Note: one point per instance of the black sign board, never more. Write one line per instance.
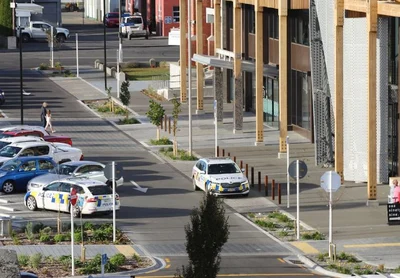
(393, 213)
(293, 169)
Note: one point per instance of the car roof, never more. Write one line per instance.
(85, 182)
(218, 160)
(30, 144)
(82, 162)
(22, 139)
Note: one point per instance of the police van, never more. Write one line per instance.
(133, 26)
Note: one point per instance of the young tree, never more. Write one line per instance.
(175, 114)
(6, 28)
(110, 101)
(155, 114)
(125, 96)
(206, 233)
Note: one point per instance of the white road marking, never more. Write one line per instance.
(138, 188)
(7, 208)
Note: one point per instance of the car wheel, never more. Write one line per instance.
(61, 38)
(8, 187)
(75, 210)
(31, 203)
(25, 38)
(195, 188)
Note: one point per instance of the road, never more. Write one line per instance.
(154, 220)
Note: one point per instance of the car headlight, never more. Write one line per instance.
(35, 185)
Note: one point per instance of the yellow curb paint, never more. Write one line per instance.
(305, 247)
(372, 245)
(126, 250)
(281, 260)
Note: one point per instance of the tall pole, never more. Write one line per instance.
(21, 83)
(190, 72)
(118, 86)
(113, 190)
(216, 127)
(105, 45)
(287, 174)
(120, 33)
(77, 55)
(330, 213)
(72, 237)
(52, 46)
(298, 200)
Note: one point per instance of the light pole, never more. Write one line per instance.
(190, 72)
(105, 45)
(120, 33)
(21, 82)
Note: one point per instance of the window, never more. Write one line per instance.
(45, 165)
(273, 25)
(299, 28)
(36, 25)
(9, 151)
(100, 190)
(79, 189)
(10, 165)
(64, 169)
(28, 152)
(3, 144)
(175, 13)
(42, 150)
(53, 186)
(225, 168)
(65, 187)
(28, 166)
(83, 170)
(96, 168)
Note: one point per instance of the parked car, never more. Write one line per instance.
(25, 130)
(58, 151)
(93, 196)
(38, 30)
(219, 176)
(10, 140)
(15, 173)
(133, 26)
(85, 169)
(112, 19)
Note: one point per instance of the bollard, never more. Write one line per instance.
(252, 176)
(217, 151)
(241, 164)
(169, 125)
(165, 122)
(247, 170)
(161, 123)
(83, 253)
(223, 152)
(234, 159)
(266, 185)
(279, 194)
(259, 181)
(273, 189)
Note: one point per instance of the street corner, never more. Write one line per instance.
(305, 247)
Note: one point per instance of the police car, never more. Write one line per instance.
(219, 176)
(93, 196)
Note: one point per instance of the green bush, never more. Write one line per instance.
(92, 266)
(65, 260)
(35, 260)
(45, 231)
(283, 233)
(23, 260)
(251, 215)
(162, 141)
(266, 224)
(43, 66)
(6, 15)
(29, 232)
(118, 259)
(44, 238)
(59, 238)
(322, 256)
(312, 236)
(15, 238)
(137, 258)
(37, 227)
(88, 226)
(104, 108)
(49, 260)
(128, 121)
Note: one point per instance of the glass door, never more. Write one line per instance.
(271, 101)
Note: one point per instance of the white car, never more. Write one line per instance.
(10, 140)
(220, 176)
(85, 169)
(93, 196)
(60, 152)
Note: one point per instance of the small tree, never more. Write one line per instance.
(110, 101)
(155, 114)
(206, 234)
(125, 96)
(175, 113)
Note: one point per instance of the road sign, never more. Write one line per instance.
(108, 171)
(73, 197)
(331, 181)
(302, 169)
(104, 258)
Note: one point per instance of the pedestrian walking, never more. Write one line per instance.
(48, 121)
(43, 114)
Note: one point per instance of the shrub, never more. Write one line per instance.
(88, 226)
(312, 236)
(49, 260)
(162, 141)
(15, 238)
(37, 227)
(266, 224)
(283, 233)
(251, 215)
(118, 259)
(137, 258)
(128, 121)
(29, 232)
(132, 65)
(58, 65)
(44, 238)
(45, 231)
(78, 235)
(65, 260)
(43, 66)
(23, 260)
(35, 260)
(321, 256)
(59, 238)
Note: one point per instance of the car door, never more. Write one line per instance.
(37, 31)
(96, 172)
(63, 196)
(49, 195)
(26, 172)
(44, 166)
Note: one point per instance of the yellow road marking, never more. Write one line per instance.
(305, 247)
(281, 260)
(167, 260)
(371, 245)
(243, 275)
(126, 250)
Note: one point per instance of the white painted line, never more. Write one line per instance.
(144, 144)
(88, 108)
(4, 201)
(25, 93)
(5, 215)
(158, 158)
(307, 227)
(3, 114)
(7, 208)
(138, 188)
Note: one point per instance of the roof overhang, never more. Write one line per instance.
(248, 66)
(26, 7)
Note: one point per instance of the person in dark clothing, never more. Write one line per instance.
(43, 114)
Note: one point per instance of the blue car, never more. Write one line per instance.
(15, 173)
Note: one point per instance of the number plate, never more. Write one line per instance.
(231, 189)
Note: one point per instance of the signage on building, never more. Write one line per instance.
(393, 213)
(168, 20)
(174, 37)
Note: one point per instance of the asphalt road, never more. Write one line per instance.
(154, 220)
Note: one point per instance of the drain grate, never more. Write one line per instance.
(295, 262)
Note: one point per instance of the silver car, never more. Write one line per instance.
(86, 169)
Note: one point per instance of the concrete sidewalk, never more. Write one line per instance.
(358, 229)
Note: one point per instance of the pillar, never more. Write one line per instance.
(259, 73)
(237, 68)
(372, 18)
(217, 25)
(218, 74)
(339, 20)
(183, 49)
(199, 50)
(283, 73)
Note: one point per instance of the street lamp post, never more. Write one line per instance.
(120, 33)
(190, 73)
(21, 82)
(105, 45)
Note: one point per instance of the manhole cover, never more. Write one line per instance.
(296, 262)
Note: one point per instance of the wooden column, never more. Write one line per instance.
(217, 25)
(259, 73)
(199, 50)
(237, 67)
(339, 20)
(283, 73)
(372, 19)
(183, 48)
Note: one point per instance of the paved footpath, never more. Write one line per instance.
(358, 228)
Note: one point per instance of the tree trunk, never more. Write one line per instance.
(158, 133)
(175, 147)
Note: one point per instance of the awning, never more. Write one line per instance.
(228, 64)
(26, 7)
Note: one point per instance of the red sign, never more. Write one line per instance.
(73, 197)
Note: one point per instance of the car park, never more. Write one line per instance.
(93, 197)
(15, 173)
(84, 169)
(219, 176)
(58, 151)
(23, 130)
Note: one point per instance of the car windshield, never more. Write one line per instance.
(134, 20)
(63, 169)
(2, 135)
(10, 165)
(9, 151)
(3, 144)
(225, 168)
(100, 190)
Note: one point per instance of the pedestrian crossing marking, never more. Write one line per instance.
(305, 247)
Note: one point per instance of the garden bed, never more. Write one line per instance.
(146, 74)
(151, 93)
(161, 142)
(182, 154)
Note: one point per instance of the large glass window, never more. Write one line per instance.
(175, 13)
(273, 22)
(299, 27)
(271, 101)
(300, 100)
